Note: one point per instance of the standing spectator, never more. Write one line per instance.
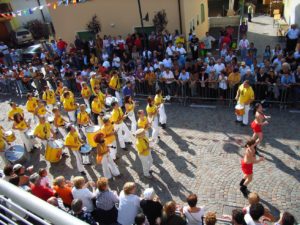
(194, 46)
(244, 46)
(250, 12)
(192, 213)
(38, 190)
(208, 39)
(210, 218)
(256, 211)
(81, 191)
(292, 36)
(267, 53)
(243, 28)
(4, 53)
(286, 219)
(151, 206)
(169, 79)
(170, 216)
(78, 212)
(63, 189)
(61, 46)
(129, 204)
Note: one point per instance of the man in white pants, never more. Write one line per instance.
(117, 117)
(115, 85)
(244, 97)
(159, 102)
(74, 142)
(144, 152)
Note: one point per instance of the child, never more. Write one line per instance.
(86, 93)
(143, 122)
(49, 97)
(109, 136)
(70, 106)
(44, 177)
(31, 104)
(40, 110)
(59, 121)
(97, 108)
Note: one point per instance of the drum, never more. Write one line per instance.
(15, 154)
(109, 100)
(30, 133)
(91, 131)
(85, 152)
(50, 119)
(88, 110)
(239, 110)
(10, 136)
(54, 151)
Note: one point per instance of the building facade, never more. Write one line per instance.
(119, 17)
(292, 11)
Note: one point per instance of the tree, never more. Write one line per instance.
(94, 25)
(37, 28)
(160, 20)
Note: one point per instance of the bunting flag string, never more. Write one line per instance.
(30, 11)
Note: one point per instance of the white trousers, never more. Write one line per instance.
(131, 116)
(109, 167)
(162, 114)
(87, 103)
(245, 117)
(123, 134)
(113, 150)
(147, 162)
(77, 155)
(155, 130)
(71, 115)
(119, 97)
(26, 140)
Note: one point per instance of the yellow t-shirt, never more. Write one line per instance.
(83, 118)
(21, 126)
(143, 123)
(12, 112)
(246, 94)
(59, 121)
(142, 146)
(129, 107)
(86, 92)
(2, 144)
(234, 78)
(151, 110)
(42, 130)
(101, 97)
(116, 116)
(41, 111)
(59, 91)
(49, 97)
(109, 135)
(93, 83)
(158, 100)
(69, 104)
(73, 139)
(31, 105)
(115, 83)
(97, 107)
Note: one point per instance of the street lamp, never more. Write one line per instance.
(142, 22)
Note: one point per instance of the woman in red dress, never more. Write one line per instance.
(259, 121)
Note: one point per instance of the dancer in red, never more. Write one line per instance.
(247, 166)
(259, 121)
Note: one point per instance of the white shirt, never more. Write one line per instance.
(167, 63)
(207, 42)
(106, 64)
(151, 69)
(45, 182)
(86, 197)
(4, 49)
(129, 206)
(116, 62)
(105, 56)
(181, 51)
(244, 44)
(193, 218)
(223, 82)
(219, 67)
(184, 77)
(170, 50)
(169, 75)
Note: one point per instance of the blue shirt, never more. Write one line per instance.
(127, 91)
(287, 80)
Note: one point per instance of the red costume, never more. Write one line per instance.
(247, 168)
(256, 127)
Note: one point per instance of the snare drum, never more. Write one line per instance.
(239, 110)
(91, 132)
(10, 136)
(50, 119)
(30, 133)
(85, 152)
(109, 100)
(54, 151)
(15, 154)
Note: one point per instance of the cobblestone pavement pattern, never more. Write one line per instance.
(200, 153)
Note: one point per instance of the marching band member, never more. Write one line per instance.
(22, 126)
(83, 118)
(159, 102)
(43, 131)
(14, 109)
(40, 110)
(49, 97)
(31, 104)
(100, 95)
(143, 122)
(97, 108)
(86, 94)
(244, 97)
(107, 130)
(108, 166)
(93, 82)
(74, 142)
(115, 85)
(59, 89)
(59, 121)
(153, 120)
(117, 118)
(3, 145)
(69, 106)
(129, 106)
(144, 152)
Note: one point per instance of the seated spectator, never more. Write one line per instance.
(151, 206)
(129, 204)
(19, 170)
(38, 190)
(81, 191)
(210, 218)
(63, 190)
(170, 216)
(78, 212)
(106, 200)
(192, 213)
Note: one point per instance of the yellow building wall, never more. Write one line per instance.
(191, 11)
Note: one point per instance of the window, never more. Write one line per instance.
(191, 26)
(202, 13)
(198, 20)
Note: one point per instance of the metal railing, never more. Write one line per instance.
(21, 205)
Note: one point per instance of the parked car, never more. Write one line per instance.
(22, 36)
(32, 50)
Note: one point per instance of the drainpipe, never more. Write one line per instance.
(180, 18)
(42, 13)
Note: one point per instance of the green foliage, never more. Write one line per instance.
(160, 20)
(38, 29)
(94, 25)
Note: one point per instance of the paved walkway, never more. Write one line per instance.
(200, 153)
